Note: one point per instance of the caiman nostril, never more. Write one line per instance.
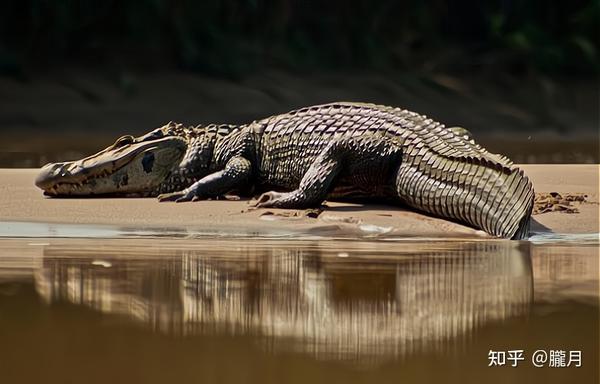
(124, 140)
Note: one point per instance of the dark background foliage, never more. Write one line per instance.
(234, 37)
(521, 75)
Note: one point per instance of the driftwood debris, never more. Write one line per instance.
(557, 202)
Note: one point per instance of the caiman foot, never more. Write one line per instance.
(179, 196)
(286, 200)
(271, 200)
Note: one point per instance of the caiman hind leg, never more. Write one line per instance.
(365, 163)
(236, 173)
(314, 186)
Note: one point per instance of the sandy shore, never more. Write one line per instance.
(21, 201)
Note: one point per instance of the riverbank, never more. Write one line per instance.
(70, 113)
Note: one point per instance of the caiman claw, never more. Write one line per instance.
(268, 200)
(178, 197)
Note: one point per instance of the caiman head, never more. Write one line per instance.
(148, 165)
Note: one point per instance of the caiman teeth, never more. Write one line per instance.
(78, 184)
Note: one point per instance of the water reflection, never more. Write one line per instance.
(372, 299)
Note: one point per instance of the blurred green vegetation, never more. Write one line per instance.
(236, 37)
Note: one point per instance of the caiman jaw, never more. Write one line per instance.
(124, 168)
(57, 177)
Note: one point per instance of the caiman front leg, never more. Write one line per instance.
(237, 171)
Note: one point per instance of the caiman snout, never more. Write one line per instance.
(127, 167)
(48, 175)
(54, 174)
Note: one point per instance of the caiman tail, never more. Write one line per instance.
(495, 197)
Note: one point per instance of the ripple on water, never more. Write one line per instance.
(14, 229)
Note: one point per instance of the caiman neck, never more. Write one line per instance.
(199, 159)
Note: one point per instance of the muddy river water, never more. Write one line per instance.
(96, 310)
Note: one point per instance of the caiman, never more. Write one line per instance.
(300, 158)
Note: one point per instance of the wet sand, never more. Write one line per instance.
(21, 201)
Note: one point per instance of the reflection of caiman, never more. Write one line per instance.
(383, 301)
(335, 150)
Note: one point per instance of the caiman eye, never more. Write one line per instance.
(124, 140)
